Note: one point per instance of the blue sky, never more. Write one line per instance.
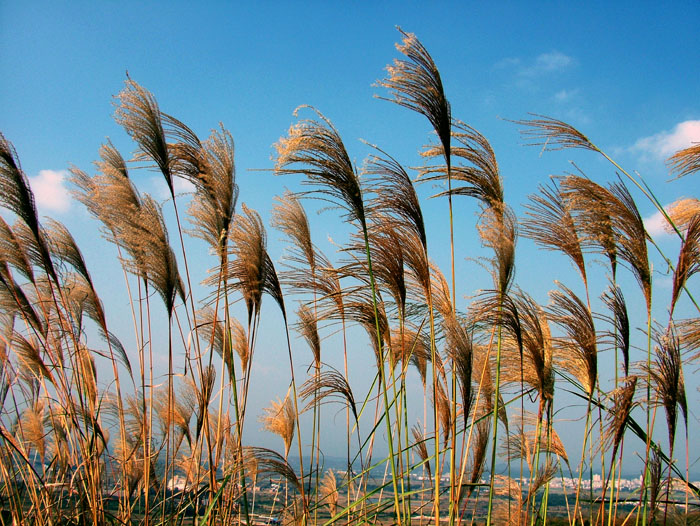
(626, 75)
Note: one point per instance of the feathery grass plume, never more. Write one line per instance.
(29, 353)
(480, 177)
(420, 352)
(689, 335)
(549, 224)
(459, 348)
(529, 350)
(17, 197)
(416, 84)
(421, 447)
(86, 375)
(498, 230)
(174, 413)
(681, 212)
(133, 414)
(553, 134)
(478, 453)
(112, 198)
(444, 410)
(213, 206)
(396, 199)
(211, 329)
(685, 162)
(544, 475)
(314, 148)
(290, 217)
(31, 430)
(160, 263)
(251, 270)
(589, 204)
(440, 291)
(65, 249)
(387, 251)
(483, 368)
(279, 418)
(309, 331)
(509, 513)
(58, 448)
(129, 458)
(239, 342)
(360, 309)
(578, 352)
(415, 345)
(33, 248)
(620, 337)
(654, 486)
(619, 413)
(328, 492)
(119, 350)
(419, 271)
(328, 386)
(524, 441)
(271, 463)
(138, 113)
(14, 301)
(203, 394)
(688, 259)
(666, 376)
(631, 237)
(13, 252)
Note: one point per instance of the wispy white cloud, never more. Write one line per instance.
(656, 224)
(541, 64)
(565, 95)
(161, 191)
(183, 186)
(666, 143)
(546, 62)
(50, 194)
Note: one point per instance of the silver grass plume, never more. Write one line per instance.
(478, 176)
(251, 270)
(618, 415)
(328, 492)
(688, 259)
(549, 224)
(415, 84)
(290, 217)
(280, 419)
(13, 252)
(150, 236)
(667, 380)
(213, 206)
(313, 148)
(578, 352)
(326, 387)
(309, 331)
(137, 111)
(553, 134)
(685, 162)
(17, 196)
(270, 463)
(615, 301)
(588, 203)
(421, 448)
(396, 201)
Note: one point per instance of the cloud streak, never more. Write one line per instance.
(664, 144)
(542, 64)
(50, 193)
